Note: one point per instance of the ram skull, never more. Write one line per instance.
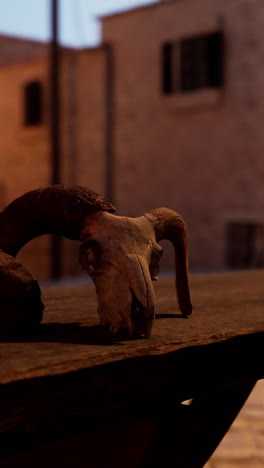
(122, 256)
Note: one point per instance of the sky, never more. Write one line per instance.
(79, 26)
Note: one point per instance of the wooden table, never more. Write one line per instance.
(71, 396)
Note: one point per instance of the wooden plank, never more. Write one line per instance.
(71, 375)
(70, 338)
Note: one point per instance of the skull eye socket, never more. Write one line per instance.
(90, 255)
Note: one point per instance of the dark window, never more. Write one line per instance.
(33, 103)
(167, 68)
(245, 245)
(193, 63)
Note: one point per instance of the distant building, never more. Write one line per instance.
(25, 161)
(167, 111)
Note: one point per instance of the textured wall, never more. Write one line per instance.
(202, 153)
(17, 50)
(83, 127)
(25, 162)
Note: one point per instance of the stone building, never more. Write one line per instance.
(188, 112)
(167, 111)
(25, 162)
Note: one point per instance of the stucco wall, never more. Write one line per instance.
(17, 50)
(24, 151)
(83, 129)
(25, 162)
(201, 153)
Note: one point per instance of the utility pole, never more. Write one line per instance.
(55, 119)
(109, 124)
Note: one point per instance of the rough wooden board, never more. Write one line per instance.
(70, 378)
(70, 339)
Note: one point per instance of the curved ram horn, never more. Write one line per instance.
(58, 209)
(170, 226)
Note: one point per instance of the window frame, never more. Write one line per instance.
(182, 61)
(244, 244)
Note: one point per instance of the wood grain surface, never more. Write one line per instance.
(70, 374)
(70, 337)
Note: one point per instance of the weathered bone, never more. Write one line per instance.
(170, 226)
(59, 209)
(122, 257)
(120, 254)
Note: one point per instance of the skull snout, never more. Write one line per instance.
(143, 296)
(126, 299)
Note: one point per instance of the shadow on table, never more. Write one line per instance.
(72, 333)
